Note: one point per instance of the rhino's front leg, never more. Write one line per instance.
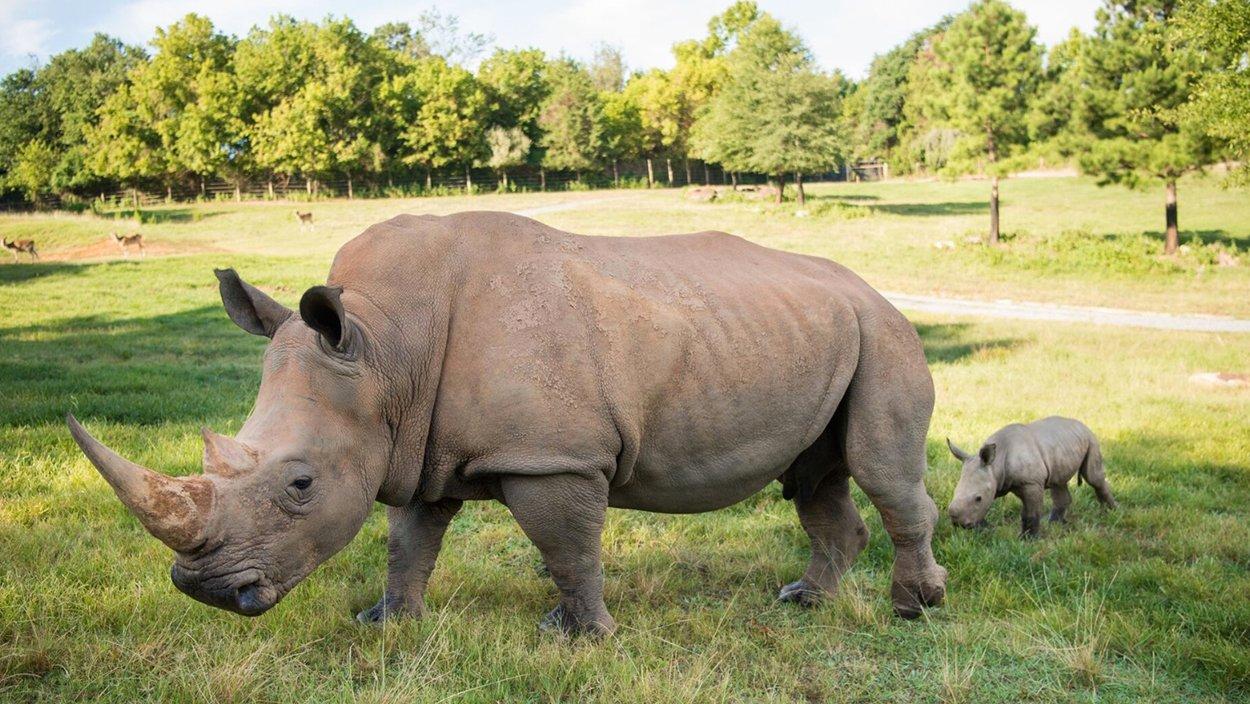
(563, 514)
(412, 545)
(1031, 515)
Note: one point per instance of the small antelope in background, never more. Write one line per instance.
(27, 246)
(127, 241)
(305, 219)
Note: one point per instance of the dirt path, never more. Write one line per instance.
(1023, 310)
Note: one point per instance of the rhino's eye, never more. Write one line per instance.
(978, 499)
(303, 483)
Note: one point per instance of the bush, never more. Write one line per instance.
(1080, 250)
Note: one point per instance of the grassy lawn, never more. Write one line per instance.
(1148, 603)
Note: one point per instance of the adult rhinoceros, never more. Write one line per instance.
(488, 356)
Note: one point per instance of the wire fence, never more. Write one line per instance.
(625, 174)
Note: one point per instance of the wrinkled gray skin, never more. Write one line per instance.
(487, 356)
(1025, 460)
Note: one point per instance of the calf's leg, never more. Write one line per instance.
(412, 546)
(1060, 499)
(838, 534)
(563, 515)
(1031, 515)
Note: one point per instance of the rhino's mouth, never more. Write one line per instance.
(247, 592)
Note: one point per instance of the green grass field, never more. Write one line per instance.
(1149, 603)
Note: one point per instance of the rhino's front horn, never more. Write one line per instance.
(173, 509)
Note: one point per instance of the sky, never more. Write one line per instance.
(843, 34)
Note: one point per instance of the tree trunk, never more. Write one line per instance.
(134, 194)
(504, 173)
(616, 174)
(734, 177)
(1172, 241)
(270, 186)
(203, 188)
(169, 193)
(668, 161)
(781, 187)
(798, 183)
(994, 210)
(238, 193)
(707, 175)
(429, 181)
(350, 193)
(308, 185)
(542, 179)
(650, 174)
(689, 178)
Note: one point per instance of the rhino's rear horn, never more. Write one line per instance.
(958, 453)
(173, 509)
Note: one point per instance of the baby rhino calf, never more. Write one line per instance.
(1024, 460)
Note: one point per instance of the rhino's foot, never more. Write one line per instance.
(391, 608)
(1058, 517)
(911, 596)
(801, 593)
(561, 621)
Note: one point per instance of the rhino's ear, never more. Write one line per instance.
(248, 306)
(957, 452)
(988, 451)
(322, 310)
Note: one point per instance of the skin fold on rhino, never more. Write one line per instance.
(487, 356)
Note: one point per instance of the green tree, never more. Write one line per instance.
(59, 103)
(1137, 76)
(570, 119)
(509, 148)
(992, 67)
(440, 111)
(659, 108)
(621, 125)
(34, 170)
(515, 85)
(311, 92)
(1221, 99)
(774, 113)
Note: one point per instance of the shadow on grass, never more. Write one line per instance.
(174, 215)
(947, 343)
(11, 274)
(191, 365)
(1206, 237)
(931, 209)
(848, 197)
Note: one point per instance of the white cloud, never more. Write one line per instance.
(24, 32)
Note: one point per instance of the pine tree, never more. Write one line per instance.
(993, 66)
(1136, 76)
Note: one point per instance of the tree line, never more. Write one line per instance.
(1159, 88)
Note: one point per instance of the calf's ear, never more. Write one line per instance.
(321, 307)
(248, 306)
(988, 450)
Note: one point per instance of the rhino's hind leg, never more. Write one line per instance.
(563, 515)
(838, 535)
(1096, 477)
(887, 421)
(412, 545)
